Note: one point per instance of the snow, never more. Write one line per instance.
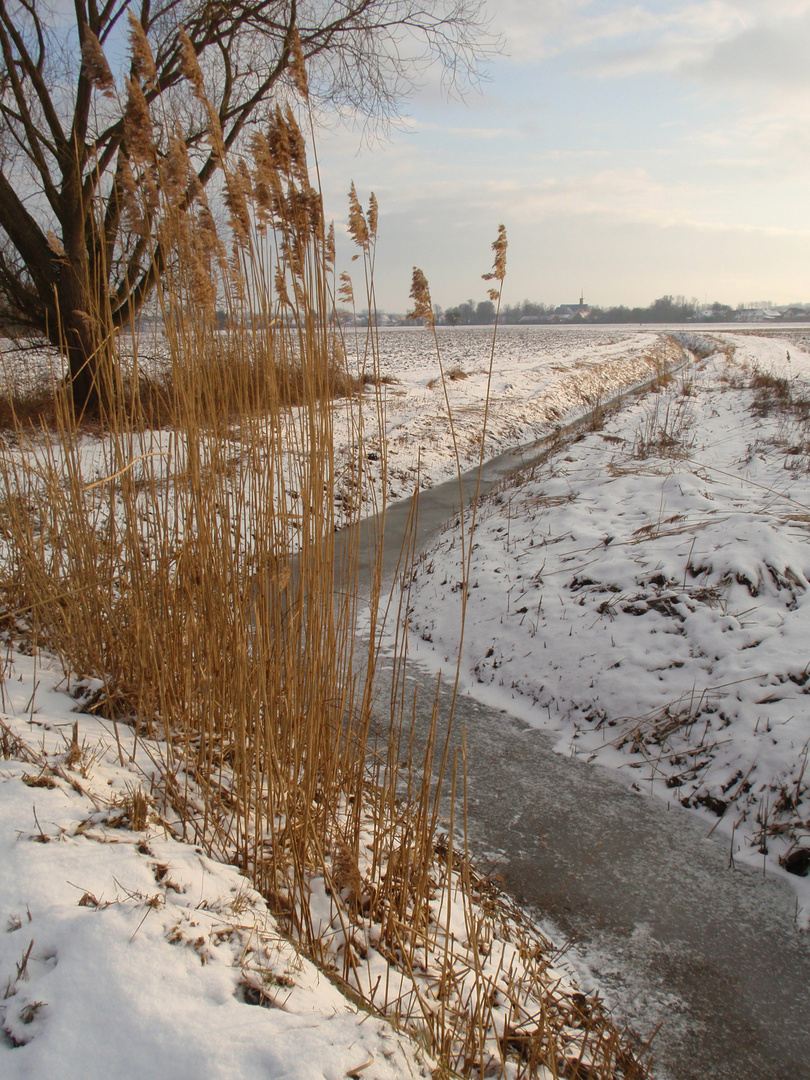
(644, 594)
(131, 954)
(127, 952)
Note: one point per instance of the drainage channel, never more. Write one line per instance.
(702, 957)
(438, 505)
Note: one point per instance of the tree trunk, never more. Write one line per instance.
(75, 338)
(83, 324)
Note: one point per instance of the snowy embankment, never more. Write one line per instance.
(646, 594)
(129, 952)
(126, 953)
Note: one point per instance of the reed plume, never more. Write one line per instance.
(143, 61)
(95, 64)
(420, 294)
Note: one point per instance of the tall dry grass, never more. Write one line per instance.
(182, 563)
(190, 567)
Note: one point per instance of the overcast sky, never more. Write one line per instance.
(632, 149)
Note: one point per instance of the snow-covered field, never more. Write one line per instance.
(645, 594)
(540, 376)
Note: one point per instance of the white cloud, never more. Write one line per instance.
(615, 195)
(538, 31)
(617, 37)
(745, 63)
(773, 53)
(463, 131)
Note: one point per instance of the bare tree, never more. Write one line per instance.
(78, 144)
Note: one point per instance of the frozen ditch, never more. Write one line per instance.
(707, 953)
(672, 935)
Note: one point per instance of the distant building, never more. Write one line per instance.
(572, 312)
(758, 314)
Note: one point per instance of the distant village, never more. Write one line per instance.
(667, 309)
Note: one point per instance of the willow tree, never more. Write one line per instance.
(93, 99)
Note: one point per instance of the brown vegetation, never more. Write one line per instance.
(186, 560)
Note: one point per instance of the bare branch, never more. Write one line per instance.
(83, 146)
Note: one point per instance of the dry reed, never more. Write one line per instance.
(186, 559)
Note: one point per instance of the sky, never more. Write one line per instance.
(632, 149)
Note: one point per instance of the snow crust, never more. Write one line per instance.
(645, 595)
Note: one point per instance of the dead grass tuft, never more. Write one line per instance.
(788, 403)
(667, 430)
(772, 393)
(34, 404)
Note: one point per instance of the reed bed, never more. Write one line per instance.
(190, 567)
(178, 554)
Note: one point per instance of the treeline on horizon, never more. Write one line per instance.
(666, 309)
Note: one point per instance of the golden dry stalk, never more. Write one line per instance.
(420, 294)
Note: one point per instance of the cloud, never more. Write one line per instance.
(721, 38)
(463, 131)
(738, 67)
(772, 53)
(615, 195)
(594, 28)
